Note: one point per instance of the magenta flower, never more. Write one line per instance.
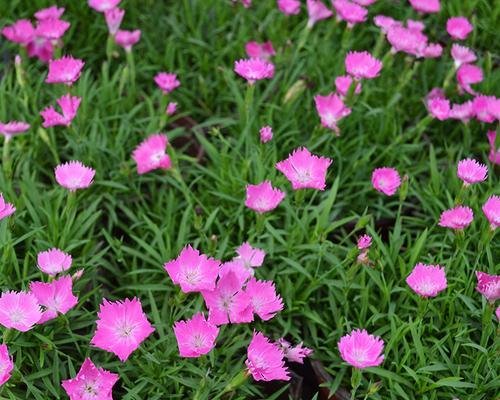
(265, 360)
(265, 302)
(167, 81)
(343, 84)
(246, 3)
(49, 13)
(91, 383)
(463, 112)
(13, 128)
(103, 5)
(385, 23)
(494, 154)
(317, 11)
(171, 108)
(364, 242)
(6, 209)
(439, 108)
(51, 29)
(361, 350)
(6, 364)
(350, 12)
(127, 39)
(263, 197)
(294, 353)
(433, 50)
(365, 3)
(22, 32)
(416, 25)
(114, 18)
(386, 180)
(41, 48)
(238, 268)
(289, 7)
(19, 310)
(427, 280)
(196, 336)
(305, 170)
(74, 175)
(458, 27)
(361, 64)
(152, 154)
(331, 109)
(488, 286)
(122, 326)
(481, 106)
(492, 211)
(69, 106)
(462, 55)
(426, 6)
(251, 257)
(254, 69)
(470, 171)
(257, 50)
(266, 134)
(457, 218)
(410, 41)
(467, 75)
(194, 272)
(65, 70)
(493, 107)
(54, 261)
(57, 297)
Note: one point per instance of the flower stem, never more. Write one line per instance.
(131, 65)
(355, 382)
(7, 166)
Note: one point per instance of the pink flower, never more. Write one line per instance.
(463, 112)
(494, 154)
(6, 364)
(196, 336)
(492, 211)
(433, 50)
(493, 107)
(331, 109)
(152, 154)
(265, 360)
(57, 297)
(69, 106)
(91, 383)
(427, 280)
(127, 39)
(289, 7)
(266, 303)
(426, 6)
(51, 29)
(257, 50)
(365, 3)
(251, 257)
(361, 350)
(74, 175)
(22, 32)
(305, 170)
(194, 272)
(481, 106)
(246, 3)
(471, 171)
(49, 13)
(6, 209)
(171, 108)
(439, 108)
(167, 82)
(19, 310)
(410, 41)
(467, 75)
(364, 242)
(65, 70)
(343, 84)
(122, 326)
(13, 128)
(361, 64)
(103, 5)
(266, 134)
(254, 69)
(352, 13)
(238, 268)
(54, 261)
(459, 27)
(386, 180)
(417, 25)
(114, 18)
(385, 23)
(263, 197)
(41, 48)
(488, 286)
(294, 353)
(456, 218)
(228, 302)
(317, 11)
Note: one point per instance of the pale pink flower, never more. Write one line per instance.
(458, 27)
(417, 25)
(439, 108)
(343, 84)
(317, 11)
(467, 75)
(127, 39)
(152, 154)
(51, 29)
(250, 256)
(494, 154)
(6, 209)
(350, 12)
(462, 55)
(289, 7)
(463, 112)
(426, 6)
(13, 128)
(196, 336)
(19, 310)
(331, 109)
(410, 41)
(361, 349)
(427, 280)
(122, 326)
(57, 297)
(265, 360)
(257, 50)
(194, 272)
(265, 302)
(167, 82)
(114, 18)
(364, 242)
(22, 32)
(49, 13)
(457, 218)
(54, 261)
(433, 50)
(386, 180)
(171, 108)
(294, 353)
(492, 211)
(263, 197)
(254, 69)
(266, 134)
(471, 171)
(103, 5)
(69, 106)
(91, 383)
(481, 105)
(488, 286)
(361, 64)
(74, 175)
(6, 364)
(385, 23)
(65, 70)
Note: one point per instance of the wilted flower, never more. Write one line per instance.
(167, 82)
(152, 154)
(19, 310)
(196, 336)
(343, 84)
(386, 180)
(127, 39)
(470, 171)
(427, 280)
(317, 11)
(50, 12)
(364, 242)
(361, 64)
(13, 128)
(263, 197)
(458, 27)
(254, 69)
(6, 364)
(74, 175)
(265, 360)
(114, 19)
(65, 70)
(467, 75)
(331, 109)
(54, 261)
(289, 7)
(69, 106)
(426, 6)
(352, 13)
(492, 211)
(266, 303)
(457, 218)
(22, 32)
(294, 353)
(361, 349)
(266, 134)
(103, 5)
(257, 50)
(488, 286)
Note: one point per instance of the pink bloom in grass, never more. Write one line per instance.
(127, 39)
(54, 261)
(361, 349)
(194, 272)
(350, 12)
(364, 242)
(266, 134)
(52, 28)
(410, 41)
(289, 7)
(305, 170)
(433, 50)
(435, 93)
(416, 25)
(386, 180)
(294, 353)
(365, 3)
(426, 6)
(6, 364)
(493, 107)
(492, 211)
(74, 175)
(456, 218)
(69, 106)
(343, 84)
(22, 32)
(103, 5)
(114, 18)
(246, 3)
(265, 302)
(361, 64)
(41, 48)
(458, 28)
(13, 128)
(317, 11)
(19, 310)
(6, 209)
(122, 326)
(494, 154)
(91, 383)
(57, 297)
(462, 55)
(171, 108)
(488, 286)
(265, 360)
(254, 69)
(250, 256)
(463, 112)
(65, 70)
(167, 82)
(439, 108)
(467, 75)
(471, 171)
(263, 197)
(427, 280)
(196, 336)
(385, 23)
(257, 50)
(152, 154)
(49, 13)
(331, 109)
(481, 106)
(238, 268)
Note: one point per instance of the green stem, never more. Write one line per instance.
(110, 44)
(248, 107)
(7, 165)
(237, 381)
(131, 65)
(355, 382)
(163, 114)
